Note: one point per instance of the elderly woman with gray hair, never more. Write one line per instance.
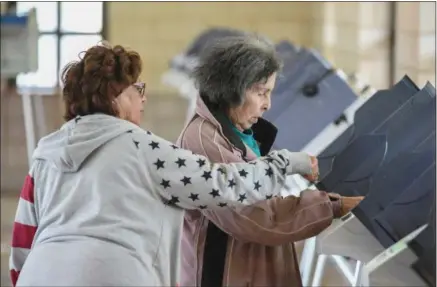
(253, 245)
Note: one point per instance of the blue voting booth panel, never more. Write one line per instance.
(404, 130)
(424, 247)
(201, 42)
(204, 39)
(303, 67)
(367, 118)
(425, 266)
(309, 96)
(387, 184)
(285, 46)
(400, 195)
(288, 53)
(379, 107)
(393, 164)
(408, 211)
(286, 50)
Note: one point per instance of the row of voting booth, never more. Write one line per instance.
(19, 54)
(377, 144)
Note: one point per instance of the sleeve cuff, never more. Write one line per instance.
(300, 163)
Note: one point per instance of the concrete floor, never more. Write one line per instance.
(8, 207)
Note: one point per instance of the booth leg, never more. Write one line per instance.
(318, 272)
(28, 125)
(306, 263)
(40, 116)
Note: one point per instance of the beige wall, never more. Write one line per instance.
(163, 115)
(160, 30)
(415, 41)
(13, 141)
(355, 37)
(3, 6)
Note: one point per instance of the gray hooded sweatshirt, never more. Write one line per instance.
(103, 203)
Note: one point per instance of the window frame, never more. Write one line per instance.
(59, 33)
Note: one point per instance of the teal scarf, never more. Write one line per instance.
(247, 138)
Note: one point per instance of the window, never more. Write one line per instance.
(72, 45)
(46, 14)
(62, 37)
(91, 11)
(46, 75)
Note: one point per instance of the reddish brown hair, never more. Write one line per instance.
(92, 83)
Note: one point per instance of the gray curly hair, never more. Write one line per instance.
(228, 67)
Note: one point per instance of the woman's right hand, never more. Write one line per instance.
(344, 204)
(314, 176)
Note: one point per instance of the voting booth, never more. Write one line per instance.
(388, 155)
(19, 44)
(310, 95)
(19, 55)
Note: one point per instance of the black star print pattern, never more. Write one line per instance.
(269, 196)
(269, 172)
(231, 183)
(201, 162)
(130, 131)
(77, 119)
(243, 173)
(136, 143)
(174, 146)
(173, 200)
(149, 133)
(194, 196)
(165, 184)
(192, 182)
(180, 162)
(206, 175)
(214, 193)
(154, 145)
(186, 180)
(159, 164)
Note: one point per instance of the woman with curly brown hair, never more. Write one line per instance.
(103, 202)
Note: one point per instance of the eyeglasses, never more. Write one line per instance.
(141, 87)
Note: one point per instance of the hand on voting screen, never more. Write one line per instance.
(346, 203)
(314, 176)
